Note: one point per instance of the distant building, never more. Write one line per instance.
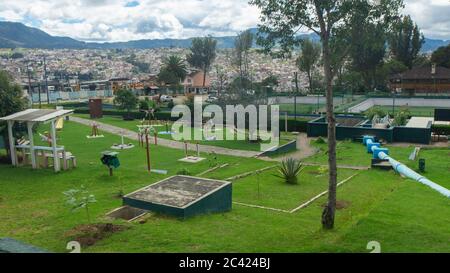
(193, 83)
(119, 83)
(422, 80)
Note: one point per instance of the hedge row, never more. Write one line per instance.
(440, 129)
(133, 114)
(298, 125)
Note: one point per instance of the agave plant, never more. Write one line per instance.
(289, 170)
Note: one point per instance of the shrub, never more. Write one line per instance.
(289, 170)
(441, 129)
(78, 199)
(375, 111)
(401, 117)
(320, 140)
(143, 105)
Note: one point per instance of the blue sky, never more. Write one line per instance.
(124, 20)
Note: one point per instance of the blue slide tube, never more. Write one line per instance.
(402, 169)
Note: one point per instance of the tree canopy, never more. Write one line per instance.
(126, 100)
(441, 56)
(202, 55)
(308, 58)
(405, 41)
(173, 70)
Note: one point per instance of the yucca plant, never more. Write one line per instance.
(289, 170)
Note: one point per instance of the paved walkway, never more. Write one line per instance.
(166, 142)
(304, 150)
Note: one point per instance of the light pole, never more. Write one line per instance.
(295, 96)
(30, 92)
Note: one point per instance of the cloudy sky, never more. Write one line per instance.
(124, 20)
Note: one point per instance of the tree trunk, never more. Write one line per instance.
(204, 77)
(330, 209)
(310, 82)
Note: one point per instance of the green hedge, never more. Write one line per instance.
(440, 129)
(298, 125)
(133, 114)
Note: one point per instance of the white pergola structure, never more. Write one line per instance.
(30, 117)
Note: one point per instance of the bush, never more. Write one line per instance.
(289, 170)
(143, 105)
(320, 140)
(375, 111)
(401, 117)
(440, 129)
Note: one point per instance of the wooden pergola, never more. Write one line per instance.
(31, 117)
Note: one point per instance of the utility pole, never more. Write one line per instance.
(30, 92)
(40, 101)
(46, 82)
(295, 95)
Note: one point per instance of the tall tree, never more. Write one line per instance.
(11, 101)
(202, 55)
(173, 70)
(242, 45)
(126, 100)
(221, 79)
(441, 56)
(308, 59)
(368, 47)
(282, 19)
(405, 41)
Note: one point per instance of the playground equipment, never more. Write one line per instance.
(191, 158)
(111, 160)
(210, 126)
(122, 145)
(167, 131)
(380, 153)
(94, 131)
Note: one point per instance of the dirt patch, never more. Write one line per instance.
(340, 204)
(89, 234)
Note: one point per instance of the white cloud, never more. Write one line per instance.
(432, 17)
(110, 20)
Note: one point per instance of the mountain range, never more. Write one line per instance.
(14, 35)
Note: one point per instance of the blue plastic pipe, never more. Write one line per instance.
(401, 168)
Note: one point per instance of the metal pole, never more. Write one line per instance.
(147, 148)
(30, 92)
(40, 99)
(393, 103)
(295, 96)
(46, 82)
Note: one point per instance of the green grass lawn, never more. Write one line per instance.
(226, 143)
(275, 193)
(399, 213)
(414, 110)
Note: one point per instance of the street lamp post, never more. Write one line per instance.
(295, 96)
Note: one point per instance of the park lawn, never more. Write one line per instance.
(382, 206)
(418, 111)
(275, 193)
(230, 144)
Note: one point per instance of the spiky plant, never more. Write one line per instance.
(289, 170)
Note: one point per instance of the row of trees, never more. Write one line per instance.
(376, 52)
